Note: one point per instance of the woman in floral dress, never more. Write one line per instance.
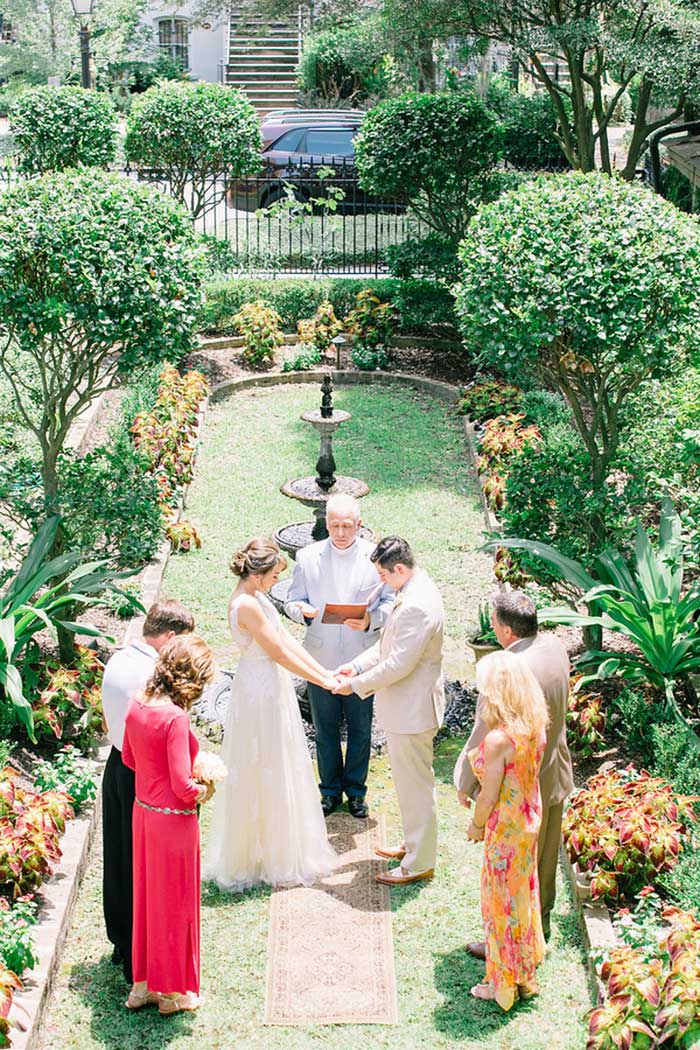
(507, 817)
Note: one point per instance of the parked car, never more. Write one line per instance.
(296, 144)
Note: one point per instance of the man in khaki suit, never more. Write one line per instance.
(514, 619)
(404, 671)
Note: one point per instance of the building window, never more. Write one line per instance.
(173, 40)
(7, 33)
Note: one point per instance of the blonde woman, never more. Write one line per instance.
(507, 817)
(268, 825)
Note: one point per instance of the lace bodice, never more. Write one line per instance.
(243, 639)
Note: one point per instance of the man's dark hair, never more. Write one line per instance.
(167, 614)
(515, 610)
(392, 551)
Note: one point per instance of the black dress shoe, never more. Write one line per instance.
(329, 804)
(358, 808)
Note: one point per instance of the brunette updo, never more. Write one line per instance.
(258, 557)
(185, 665)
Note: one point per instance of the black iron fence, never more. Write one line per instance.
(297, 218)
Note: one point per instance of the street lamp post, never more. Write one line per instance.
(82, 10)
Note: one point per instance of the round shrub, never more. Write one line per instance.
(193, 133)
(344, 64)
(55, 128)
(436, 152)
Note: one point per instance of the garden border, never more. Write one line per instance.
(594, 919)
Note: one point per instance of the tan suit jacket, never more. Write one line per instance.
(404, 668)
(549, 662)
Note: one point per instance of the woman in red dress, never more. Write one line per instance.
(161, 747)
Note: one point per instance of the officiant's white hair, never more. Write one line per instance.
(343, 504)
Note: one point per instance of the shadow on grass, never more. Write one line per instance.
(102, 988)
(214, 897)
(461, 1016)
(446, 754)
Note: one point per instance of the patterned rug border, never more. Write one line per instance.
(387, 1013)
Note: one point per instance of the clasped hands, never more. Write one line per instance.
(338, 681)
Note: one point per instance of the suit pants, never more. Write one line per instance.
(118, 791)
(548, 841)
(338, 774)
(411, 758)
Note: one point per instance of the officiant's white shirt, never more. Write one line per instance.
(324, 573)
(126, 673)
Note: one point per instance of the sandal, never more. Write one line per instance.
(528, 991)
(137, 1000)
(483, 991)
(174, 1004)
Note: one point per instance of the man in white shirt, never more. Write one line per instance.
(339, 570)
(126, 673)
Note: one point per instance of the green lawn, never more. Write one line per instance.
(411, 451)
(431, 923)
(408, 447)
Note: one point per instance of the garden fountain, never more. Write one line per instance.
(314, 491)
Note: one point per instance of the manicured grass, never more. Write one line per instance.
(431, 923)
(408, 447)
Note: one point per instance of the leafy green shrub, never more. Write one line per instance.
(594, 316)
(370, 323)
(530, 127)
(16, 940)
(109, 503)
(545, 408)
(676, 757)
(487, 398)
(122, 604)
(260, 327)
(345, 64)
(420, 306)
(68, 772)
(307, 357)
(434, 256)
(436, 152)
(320, 330)
(683, 883)
(193, 133)
(90, 262)
(678, 189)
(55, 128)
(636, 720)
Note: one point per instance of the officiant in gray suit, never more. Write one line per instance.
(339, 570)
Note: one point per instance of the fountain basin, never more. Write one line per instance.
(308, 491)
(291, 538)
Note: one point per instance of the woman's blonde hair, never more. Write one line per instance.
(185, 665)
(510, 695)
(258, 557)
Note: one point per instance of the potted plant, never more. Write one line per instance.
(482, 638)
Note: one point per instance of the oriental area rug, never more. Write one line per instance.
(330, 953)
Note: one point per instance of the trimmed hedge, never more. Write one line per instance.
(421, 306)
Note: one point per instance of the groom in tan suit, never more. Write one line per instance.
(404, 671)
(514, 619)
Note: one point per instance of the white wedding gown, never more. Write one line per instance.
(267, 825)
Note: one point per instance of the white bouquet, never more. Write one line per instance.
(208, 768)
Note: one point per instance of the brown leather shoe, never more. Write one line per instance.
(477, 949)
(400, 877)
(391, 854)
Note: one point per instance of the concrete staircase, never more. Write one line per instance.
(262, 60)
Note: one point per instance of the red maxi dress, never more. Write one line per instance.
(160, 746)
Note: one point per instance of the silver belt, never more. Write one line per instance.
(165, 809)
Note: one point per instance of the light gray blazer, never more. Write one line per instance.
(549, 662)
(312, 582)
(404, 668)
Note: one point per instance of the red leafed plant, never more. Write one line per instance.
(9, 983)
(183, 535)
(167, 434)
(651, 1002)
(624, 829)
(502, 438)
(585, 720)
(69, 705)
(31, 823)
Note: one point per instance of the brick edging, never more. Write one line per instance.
(57, 896)
(594, 920)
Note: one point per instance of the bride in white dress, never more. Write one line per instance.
(267, 825)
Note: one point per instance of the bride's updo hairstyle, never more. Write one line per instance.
(257, 558)
(185, 665)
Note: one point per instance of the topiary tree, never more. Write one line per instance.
(435, 152)
(55, 128)
(592, 284)
(97, 275)
(194, 135)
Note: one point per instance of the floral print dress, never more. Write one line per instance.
(510, 894)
